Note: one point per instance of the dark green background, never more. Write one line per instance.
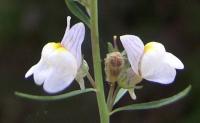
(27, 25)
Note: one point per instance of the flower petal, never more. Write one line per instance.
(41, 72)
(63, 71)
(30, 71)
(154, 47)
(153, 65)
(134, 48)
(164, 74)
(67, 28)
(73, 40)
(58, 80)
(153, 56)
(173, 61)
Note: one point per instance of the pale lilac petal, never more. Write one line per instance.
(73, 41)
(134, 48)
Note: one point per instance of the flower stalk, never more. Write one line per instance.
(103, 110)
(110, 96)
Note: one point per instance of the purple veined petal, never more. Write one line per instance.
(173, 61)
(73, 41)
(134, 48)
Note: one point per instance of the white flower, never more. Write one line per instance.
(60, 62)
(151, 61)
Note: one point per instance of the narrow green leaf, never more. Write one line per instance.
(74, 8)
(120, 94)
(154, 104)
(55, 97)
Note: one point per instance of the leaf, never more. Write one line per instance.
(74, 8)
(120, 94)
(86, 4)
(154, 104)
(55, 97)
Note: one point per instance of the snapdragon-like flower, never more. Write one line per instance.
(60, 62)
(151, 61)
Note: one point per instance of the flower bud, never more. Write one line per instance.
(128, 79)
(114, 63)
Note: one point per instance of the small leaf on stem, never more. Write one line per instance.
(55, 97)
(154, 104)
(120, 94)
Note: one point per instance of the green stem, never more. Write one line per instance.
(103, 110)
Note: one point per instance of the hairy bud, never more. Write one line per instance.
(114, 63)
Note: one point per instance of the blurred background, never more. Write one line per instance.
(26, 26)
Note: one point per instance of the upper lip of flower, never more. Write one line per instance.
(73, 39)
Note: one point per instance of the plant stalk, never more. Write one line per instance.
(103, 110)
